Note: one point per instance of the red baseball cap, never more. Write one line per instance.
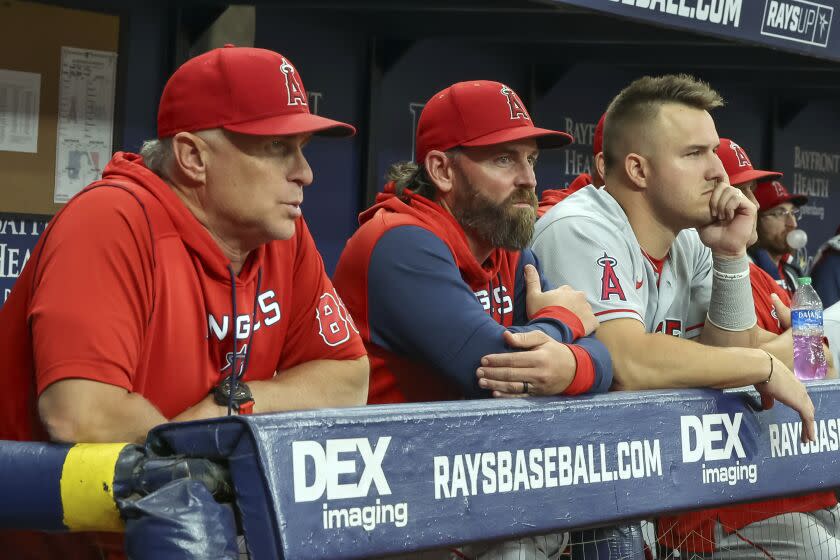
(241, 89)
(738, 165)
(598, 139)
(478, 113)
(772, 193)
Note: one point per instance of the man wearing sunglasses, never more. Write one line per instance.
(778, 215)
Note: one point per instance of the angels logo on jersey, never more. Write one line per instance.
(294, 91)
(239, 358)
(334, 321)
(610, 284)
(672, 327)
(517, 109)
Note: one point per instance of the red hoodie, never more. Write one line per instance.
(127, 288)
(408, 374)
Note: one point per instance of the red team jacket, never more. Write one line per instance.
(401, 366)
(127, 288)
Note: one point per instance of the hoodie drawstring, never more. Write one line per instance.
(253, 321)
(234, 376)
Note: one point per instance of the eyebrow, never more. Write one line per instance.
(693, 147)
(512, 148)
(288, 139)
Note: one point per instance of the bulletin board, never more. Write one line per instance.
(31, 38)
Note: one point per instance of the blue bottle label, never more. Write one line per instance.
(802, 319)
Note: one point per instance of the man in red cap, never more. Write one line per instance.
(744, 177)
(185, 284)
(441, 284)
(778, 215)
(551, 197)
(801, 524)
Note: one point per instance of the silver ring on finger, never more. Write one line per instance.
(525, 387)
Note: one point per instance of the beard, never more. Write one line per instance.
(499, 224)
(778, 244)
(774, 242)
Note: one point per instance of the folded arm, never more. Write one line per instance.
(657, 361)
(315, 384)
(644, 360)
(419, 306)
(83, 410)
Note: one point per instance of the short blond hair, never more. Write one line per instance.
(640, 102)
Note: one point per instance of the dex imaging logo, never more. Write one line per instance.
(346, 469)
(797, 20)
(336, 468)
(711, 437)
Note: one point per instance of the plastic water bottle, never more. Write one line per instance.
(807, 322)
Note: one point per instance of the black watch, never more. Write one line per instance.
(243, 401)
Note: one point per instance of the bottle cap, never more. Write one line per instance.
(804, 281)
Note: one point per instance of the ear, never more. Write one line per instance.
(637, 168)
(190, 154)
(440, 171)
(599, 167)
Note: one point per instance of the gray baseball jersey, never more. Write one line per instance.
(585, 241)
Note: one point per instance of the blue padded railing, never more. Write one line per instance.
(355, 483)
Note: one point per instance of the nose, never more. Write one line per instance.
(716, 172)
(527, 178)
(301, 172)
(790, 218)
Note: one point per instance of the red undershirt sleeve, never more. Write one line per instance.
(563, 315)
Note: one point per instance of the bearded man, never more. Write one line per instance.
(440, 282)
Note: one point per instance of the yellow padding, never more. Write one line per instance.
(87, 493)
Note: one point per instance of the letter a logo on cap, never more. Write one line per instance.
(743, 160)
(294, 90)
(517, 110)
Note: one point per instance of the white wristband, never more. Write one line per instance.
(726, 276)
